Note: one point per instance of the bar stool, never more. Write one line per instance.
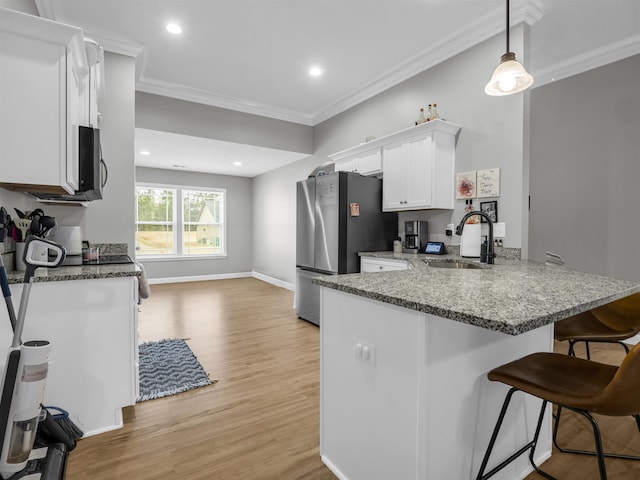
(611, 323)
(580, 385)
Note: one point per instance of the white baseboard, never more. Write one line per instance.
(198, 278)
(273, 281)
(222, 276)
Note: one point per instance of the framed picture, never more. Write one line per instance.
(488, 183)
(491, 209)
(466, 185)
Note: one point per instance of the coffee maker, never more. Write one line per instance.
(415, 236)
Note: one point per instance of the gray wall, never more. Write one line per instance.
(492, 135)
(239, 225)
(165, 114)
(110, 220)
(585, 169)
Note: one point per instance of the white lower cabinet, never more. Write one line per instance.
(92, 328)
(371, 264)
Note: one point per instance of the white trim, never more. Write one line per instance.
(199, 278)
(178, 220)
(273, 281)
(181, 92)
(224, 276)
(481, 29)
(588, 61)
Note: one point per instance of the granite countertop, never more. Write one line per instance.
(79, 272)
(512, 296)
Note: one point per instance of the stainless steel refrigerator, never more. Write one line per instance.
(338, 215)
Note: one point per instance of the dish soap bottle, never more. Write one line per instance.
(484, 248)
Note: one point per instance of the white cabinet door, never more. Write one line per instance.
(39, 102)
(92, 328)
(394, 184)
(368, 163)
(419, 173)
(348, 165)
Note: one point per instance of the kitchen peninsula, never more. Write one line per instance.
(404, 358)
(89, 314)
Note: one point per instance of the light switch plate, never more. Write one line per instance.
(499, 230)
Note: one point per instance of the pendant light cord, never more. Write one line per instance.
(508, 26)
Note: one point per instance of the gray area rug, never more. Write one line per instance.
(168, 367)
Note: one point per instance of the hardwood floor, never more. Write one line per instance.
(261, 420)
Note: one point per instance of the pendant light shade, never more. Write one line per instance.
(510, 76)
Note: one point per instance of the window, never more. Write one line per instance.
(180, 221)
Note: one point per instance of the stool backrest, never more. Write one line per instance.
(620, 314)
(622, 396)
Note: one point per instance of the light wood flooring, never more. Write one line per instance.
(261, 420)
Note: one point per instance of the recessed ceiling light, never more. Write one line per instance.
(174, 28)
(237, 164)
(315, 71)
(145, 152)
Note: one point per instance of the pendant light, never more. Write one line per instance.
(510, 76)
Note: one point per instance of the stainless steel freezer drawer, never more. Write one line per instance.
(307, 296)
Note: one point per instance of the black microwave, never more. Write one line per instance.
(92, 170)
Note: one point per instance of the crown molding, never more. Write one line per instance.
(481, 29)
(587, 61)
(222, 101)
(109, 44)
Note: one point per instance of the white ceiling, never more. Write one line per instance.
(254, 55)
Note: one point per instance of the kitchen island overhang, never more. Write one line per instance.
(424, 409)
(512, 296)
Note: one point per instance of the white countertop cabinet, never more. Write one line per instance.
(423, 408)
(43, 72)
(92, 327)
(370, 265)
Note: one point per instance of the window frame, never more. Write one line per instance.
(178, 223)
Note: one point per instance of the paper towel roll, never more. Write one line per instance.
(470, 240)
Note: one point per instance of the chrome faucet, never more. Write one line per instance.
(491, 255)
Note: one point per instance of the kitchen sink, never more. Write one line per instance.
(453, 264)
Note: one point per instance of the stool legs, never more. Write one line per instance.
(599, 453)
(572, 343)
(531, 446)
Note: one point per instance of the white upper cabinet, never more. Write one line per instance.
(43, 72)
(367, 162)
(417, 165)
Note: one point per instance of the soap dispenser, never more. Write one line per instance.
(484, 248)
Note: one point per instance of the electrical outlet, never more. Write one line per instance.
(364, 351)
(499, 230)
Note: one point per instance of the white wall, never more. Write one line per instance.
(492, 135)
(239, 225)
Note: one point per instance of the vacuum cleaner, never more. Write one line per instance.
(25, 375)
